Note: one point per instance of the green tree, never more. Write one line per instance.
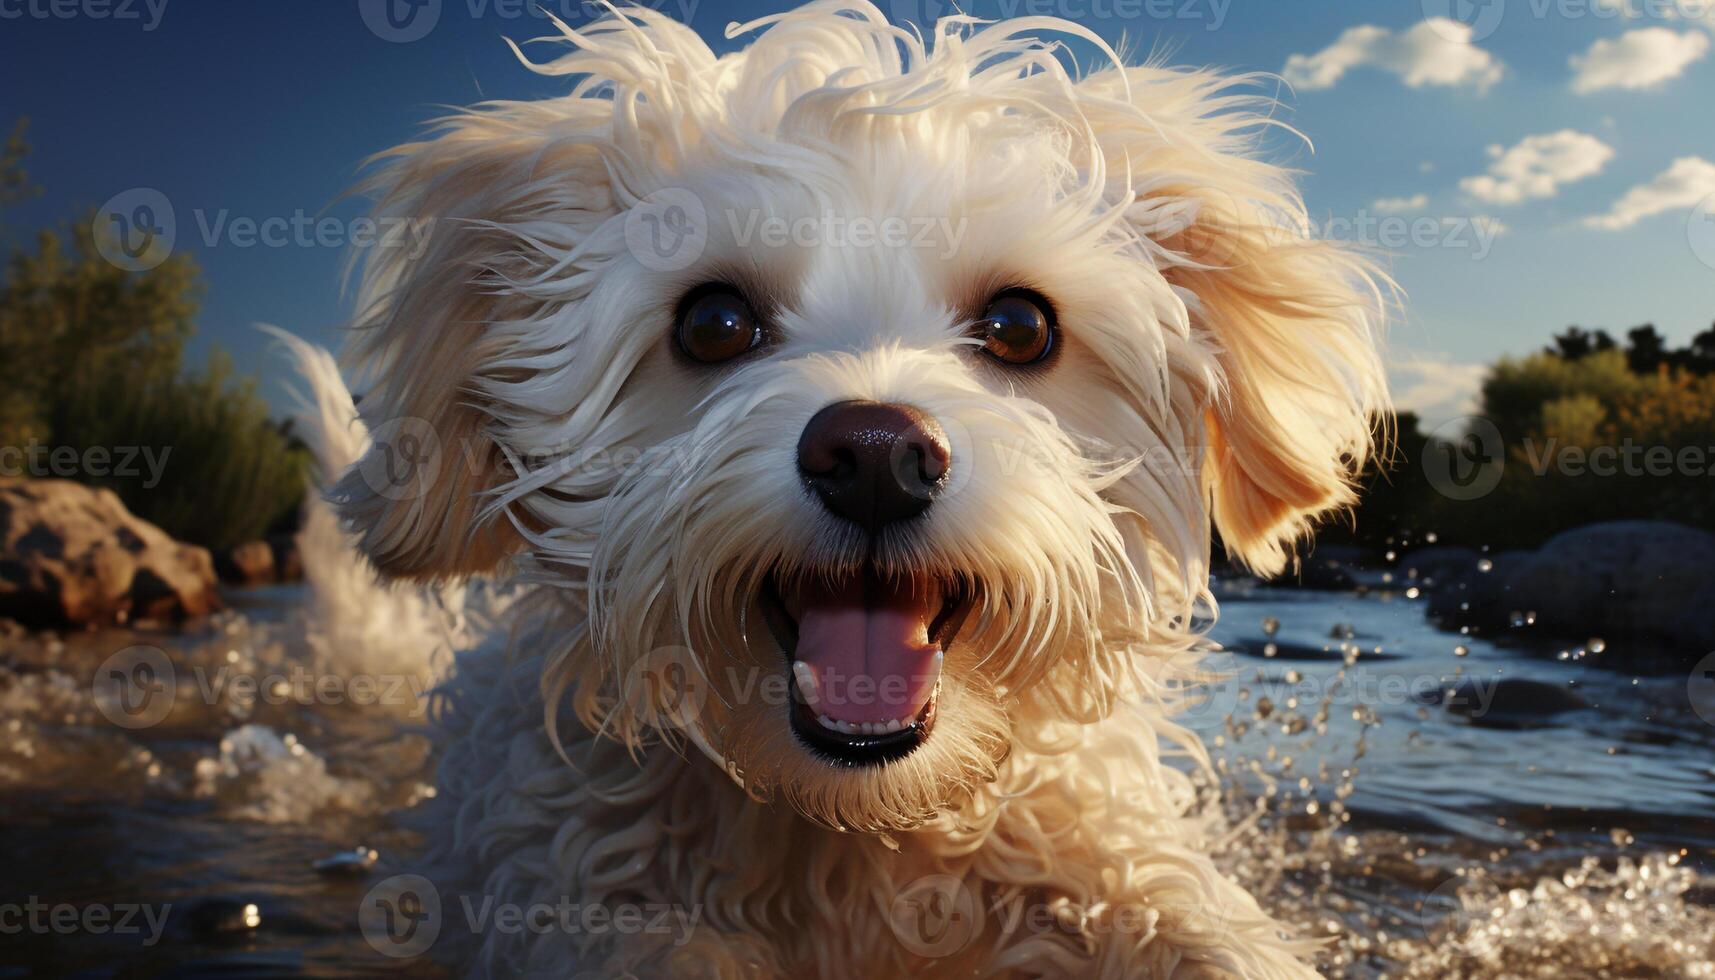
(72, 324)
(93, 357)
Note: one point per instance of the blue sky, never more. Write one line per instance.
(234, 110)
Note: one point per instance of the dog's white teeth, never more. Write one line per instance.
(835, 725)
(863, 727)
(806, 683)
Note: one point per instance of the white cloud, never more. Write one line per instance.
(1637, 59)
(1537, 166)
(1683, 185)
(1426, 167)
(1436, 388)
(1391, 205)
(1436, 51)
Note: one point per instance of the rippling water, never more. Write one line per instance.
(1440, 806)
(1432, 804)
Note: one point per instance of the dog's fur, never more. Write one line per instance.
(1218, 368)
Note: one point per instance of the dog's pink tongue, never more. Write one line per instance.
(866, 643)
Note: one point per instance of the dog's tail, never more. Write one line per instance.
(356, 623)
(327, 416)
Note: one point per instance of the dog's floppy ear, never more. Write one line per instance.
(1294, 322)
(439, 286)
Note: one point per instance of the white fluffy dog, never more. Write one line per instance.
(858, 406)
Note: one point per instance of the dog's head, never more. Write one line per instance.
(879, 394)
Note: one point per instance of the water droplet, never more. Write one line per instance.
(1270, 626)
(1461, 651)
(1485, 565)
(1596, 644)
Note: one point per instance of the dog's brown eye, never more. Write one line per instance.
(1017, 328)
(718, 325)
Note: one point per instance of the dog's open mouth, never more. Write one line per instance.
(865, 652)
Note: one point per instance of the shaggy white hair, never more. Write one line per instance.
(1217, 367)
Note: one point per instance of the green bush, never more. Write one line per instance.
(227, 472)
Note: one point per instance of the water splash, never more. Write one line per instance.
(1425, 903)
(272, 778)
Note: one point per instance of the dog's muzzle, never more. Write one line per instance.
(865, 649)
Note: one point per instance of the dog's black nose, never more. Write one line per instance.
(872, 463)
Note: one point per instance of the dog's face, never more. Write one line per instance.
(880, 398)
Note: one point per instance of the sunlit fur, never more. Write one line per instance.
(1217, 368)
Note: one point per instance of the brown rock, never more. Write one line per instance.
(72, 555)
(288, 562)
(250, 563)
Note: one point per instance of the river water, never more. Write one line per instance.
(1428, 803)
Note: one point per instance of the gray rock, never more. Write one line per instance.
(1436, 566)
(1638, 579)
(1696, 624)
(1480, 596)
(1506, 702)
